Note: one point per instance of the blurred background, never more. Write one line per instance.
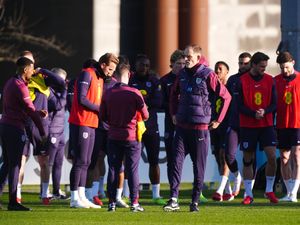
(64, 33)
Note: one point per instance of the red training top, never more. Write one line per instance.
(288, 101)
(256, 95)
(81, 115)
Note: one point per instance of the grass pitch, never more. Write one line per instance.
(231, 213)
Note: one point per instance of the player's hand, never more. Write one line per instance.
(174, 120)
(259, 114)
(36, 71)
(43, 113)
(213, 125)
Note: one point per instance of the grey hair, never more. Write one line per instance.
(60, 72)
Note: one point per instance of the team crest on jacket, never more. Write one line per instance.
(148, 84)
(245, 145)
(85, 135)
(23, 138)
(198, 80)
(143, 92)
(53, 140)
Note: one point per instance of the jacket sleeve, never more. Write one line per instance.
(103, 110)
(53, 80)
(83, 85)
(154, 101)
(57, 101)
(273, 105)
(30, 109)
(222, 92)
(164, 94)
(142, 106)
(174, 97)
(240, 101)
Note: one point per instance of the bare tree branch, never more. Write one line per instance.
(13, 29)
(45, 43)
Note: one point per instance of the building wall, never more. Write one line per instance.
(234, 26)
(106, 27)
(243, 25)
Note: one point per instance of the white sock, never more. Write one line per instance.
(19, 191)
(222, 185)
(95, 188)
(237, 181)
(174, 199)
(119, 194)
(248, 188)
(125, 188)
(288, 186)
(228, 189)
(89, 194)
(155, 190)
(81, 193)
(101, 185)
(295, 188)
(237, 175)
(291, 184)
(74, 195)
(45, 190)
(270, 183)
(252, 184)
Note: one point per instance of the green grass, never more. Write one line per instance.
(260, 212)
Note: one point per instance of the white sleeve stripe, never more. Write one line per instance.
(84, 82)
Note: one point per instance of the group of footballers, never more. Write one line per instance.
(113, 112)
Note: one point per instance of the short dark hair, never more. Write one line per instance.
(123, 65)
(245, 55)
(60, 72)
(23, 62)
(140, 57)
(177, 54)
(258, 57)
(123, 59)
(284, 57)
(90, 63)
(223, 63)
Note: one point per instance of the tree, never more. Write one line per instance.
(14, 33)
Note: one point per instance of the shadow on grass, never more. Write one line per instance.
(32, 199)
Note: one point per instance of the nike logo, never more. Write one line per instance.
(256, 85)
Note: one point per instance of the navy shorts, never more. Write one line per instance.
(250, 137)
(217, 139)
(151, 141)
(39, 148)
(27, 148)
(288, 137)
(100, 146)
